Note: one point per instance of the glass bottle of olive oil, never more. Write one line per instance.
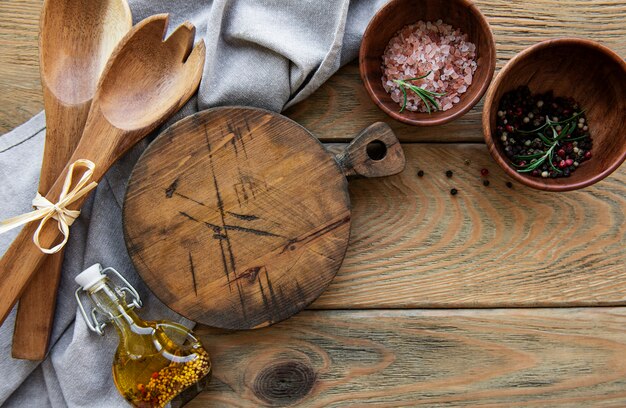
(156, 362)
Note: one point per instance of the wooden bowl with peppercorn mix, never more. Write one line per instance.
(555, 116)
(427, 62)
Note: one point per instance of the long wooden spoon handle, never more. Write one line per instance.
(16, 268)
(35, 313)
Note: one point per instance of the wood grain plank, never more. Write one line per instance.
(413, 245)
(478, 358)
(341, 107)
(516, 25)
(20, 87)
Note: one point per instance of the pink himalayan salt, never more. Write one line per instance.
(422, 47)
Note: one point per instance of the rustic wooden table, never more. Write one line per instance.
(495, 297)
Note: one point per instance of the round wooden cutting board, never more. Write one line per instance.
(239, 218)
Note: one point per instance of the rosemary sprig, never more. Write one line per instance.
(567, 128)
(551, 123)
(426, 96)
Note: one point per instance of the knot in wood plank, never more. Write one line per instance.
(284, 383)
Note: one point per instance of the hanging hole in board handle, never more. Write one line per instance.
(375, 152)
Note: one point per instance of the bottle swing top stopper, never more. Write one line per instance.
(90, 276)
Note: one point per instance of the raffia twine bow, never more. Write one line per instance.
(45, 210)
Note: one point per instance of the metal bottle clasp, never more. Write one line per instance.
(92, 322)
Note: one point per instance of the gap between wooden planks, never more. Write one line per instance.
(486, 358)
(414, 245)
(341, 107)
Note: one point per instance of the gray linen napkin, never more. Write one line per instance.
(264, 53)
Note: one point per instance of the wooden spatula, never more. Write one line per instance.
(77, 37)
(145, 81)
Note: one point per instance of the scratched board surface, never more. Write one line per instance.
(252, 203)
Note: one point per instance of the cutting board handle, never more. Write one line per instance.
(375, 152)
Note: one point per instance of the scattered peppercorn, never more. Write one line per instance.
(420, 173)
(509, 184)
(484, 172)
(485, 183)
(467, 162)
(453, 191)
(449, 173)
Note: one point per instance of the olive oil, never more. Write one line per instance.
(155, 362)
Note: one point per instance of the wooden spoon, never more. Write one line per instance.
(145, 81)
(77, 38)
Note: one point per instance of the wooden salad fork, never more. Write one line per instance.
(77, 37)
(145, 81)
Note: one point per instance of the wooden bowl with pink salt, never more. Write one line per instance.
(427, 62)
